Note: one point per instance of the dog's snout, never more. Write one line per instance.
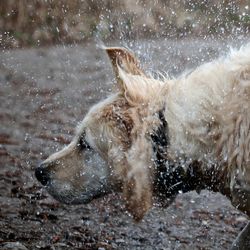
(42, 174)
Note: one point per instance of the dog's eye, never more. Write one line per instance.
(83, 144)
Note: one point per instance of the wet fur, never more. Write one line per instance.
(157, 137)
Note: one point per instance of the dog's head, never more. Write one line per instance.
(112, 149)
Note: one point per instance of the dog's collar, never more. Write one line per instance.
(160, 140)
(171, 177)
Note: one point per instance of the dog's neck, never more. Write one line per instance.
(173, 177)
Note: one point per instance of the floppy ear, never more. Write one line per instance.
(136, 87)
(123, 58)
(138, 182)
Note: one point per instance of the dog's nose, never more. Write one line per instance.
(42, 174)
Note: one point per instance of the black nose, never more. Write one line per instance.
(42, 174)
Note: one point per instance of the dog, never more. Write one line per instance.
(156, 137)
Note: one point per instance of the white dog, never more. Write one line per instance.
(158, 137)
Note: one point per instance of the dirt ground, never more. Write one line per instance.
(44, 93)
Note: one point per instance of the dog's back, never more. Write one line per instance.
(208, 113)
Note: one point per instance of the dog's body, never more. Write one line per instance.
(159, 137)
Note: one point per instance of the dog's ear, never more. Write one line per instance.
(123, 58)
(139, 89)
(137, 193)
(137, 186)
(133, 83)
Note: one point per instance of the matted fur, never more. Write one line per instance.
(207, 128)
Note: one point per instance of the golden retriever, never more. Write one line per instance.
(156, 137)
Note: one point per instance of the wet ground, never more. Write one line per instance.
(44, 93)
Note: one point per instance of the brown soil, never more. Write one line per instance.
(44, 93)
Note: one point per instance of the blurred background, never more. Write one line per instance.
(40, 22)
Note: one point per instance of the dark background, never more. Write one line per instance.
(35, 22)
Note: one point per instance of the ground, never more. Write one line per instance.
(44, 93)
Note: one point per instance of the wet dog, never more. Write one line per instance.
(157, 137)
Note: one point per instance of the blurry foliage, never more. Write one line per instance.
(35, 22)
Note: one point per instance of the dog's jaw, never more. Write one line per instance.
(67, 194)
(76, 175)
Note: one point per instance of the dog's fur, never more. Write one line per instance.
(158, 137)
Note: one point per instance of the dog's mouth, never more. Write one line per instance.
(67, 194)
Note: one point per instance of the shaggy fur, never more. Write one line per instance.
(157, 137)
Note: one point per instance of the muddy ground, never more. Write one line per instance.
(44, 93)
